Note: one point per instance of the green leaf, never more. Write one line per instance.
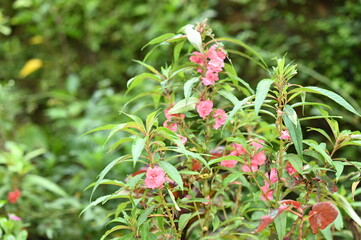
(220, 159)
(280, 223)
(194, 37)
(231, 178)
(137, 149)
(332, 95)
(242, 44)
(151, 120)
(261, 93)
(338, 223)
(45, 183)
(327, 233)
(135, 81)
(145, 214)
(150, 68)
(119, 142)
(323, 132)
(168, 134)
(294, 128)
(96, 202)
(159, 39)
(310, 103)
(233, 99)
(192, 155)
(106, 127)
(188, 86)
(105, 171)
(339, 168)
(347, 207)
(184, 105)
(244, 83)
(113, 230)
(177, 50)
(295, 161)
(134, 180)
(353, 188)
(173, 200)
(236, 108)
(320, 150)
(184, 219)
(172, 172)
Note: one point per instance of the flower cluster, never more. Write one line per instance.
(258, 158)
(211, 63)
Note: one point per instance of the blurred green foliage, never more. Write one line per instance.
(86, 49)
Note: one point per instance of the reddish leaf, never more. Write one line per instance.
(322, 215)
(291, 202)
(267, 219)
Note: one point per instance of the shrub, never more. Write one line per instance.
(211, 166)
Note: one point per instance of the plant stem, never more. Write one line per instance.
(170, 215)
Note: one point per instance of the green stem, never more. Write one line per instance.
(170, 215)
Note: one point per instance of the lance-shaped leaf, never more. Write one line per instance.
(347, 207)
(236, 108)
(320, 150)
(172, 172)
(159, 39)
(295, 161)
(333, 96)
(261, 93)
(137, 148)
(106, 170)
(188, 86)
(225, 158)
(145, 214)
(294, 128)
(194, 37)
(184, 106)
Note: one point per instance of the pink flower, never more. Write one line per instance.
(182, 139)
(155, 177)
(210, 78)
(258, 144)
(213, 53)
(171, 125)
(221, 116)
(267, 193)
(197, 57)
(169, 116)
(258, 158)
(208, 202)
(14, 217)
(215, 64)
(285, 135)
(246, 168)
(204, 108)
(290, 169)
(212, 60)
(228, 163)
(239, 149)
(272, 176)
(14, 196)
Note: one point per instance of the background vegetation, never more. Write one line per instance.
(82, 52)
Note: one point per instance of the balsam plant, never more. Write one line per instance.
(220, 160)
